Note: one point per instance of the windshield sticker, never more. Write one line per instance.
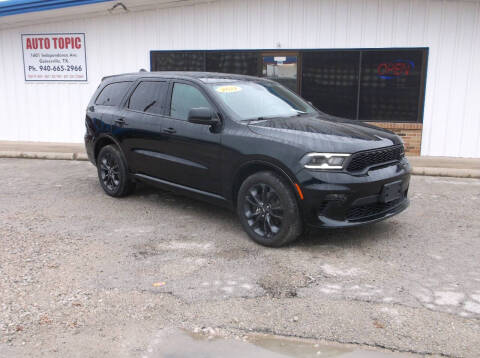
(228, 89)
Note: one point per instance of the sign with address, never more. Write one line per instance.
(54, 57)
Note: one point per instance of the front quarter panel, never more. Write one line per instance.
(243, 147)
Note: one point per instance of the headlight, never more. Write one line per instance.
(324, 160)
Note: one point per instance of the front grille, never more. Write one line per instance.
(361, 161)
(364, 211)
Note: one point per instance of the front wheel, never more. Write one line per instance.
(268, 210)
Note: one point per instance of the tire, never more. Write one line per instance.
(113, 173)
(268, 210)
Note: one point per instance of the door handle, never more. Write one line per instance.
(169, 130)
(120, 122)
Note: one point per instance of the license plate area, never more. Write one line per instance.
(391, 191)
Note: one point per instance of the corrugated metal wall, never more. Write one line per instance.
(121, 43)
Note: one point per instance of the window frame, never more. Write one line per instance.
(134, 87)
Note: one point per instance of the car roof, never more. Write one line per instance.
(191, 75)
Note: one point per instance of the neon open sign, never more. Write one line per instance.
(387, 70)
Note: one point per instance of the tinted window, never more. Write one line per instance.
(149, 97)
(112, 94)
(244, 63)
(178, 61)
(184, 98)
(390, 85)
(330, 81)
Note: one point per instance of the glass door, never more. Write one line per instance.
(281, 68)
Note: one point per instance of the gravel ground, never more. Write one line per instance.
(83, 274)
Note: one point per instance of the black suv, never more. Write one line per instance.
(248, 144)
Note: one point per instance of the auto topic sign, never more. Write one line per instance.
(54, 57)
(396, 68)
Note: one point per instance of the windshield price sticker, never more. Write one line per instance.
(54, 57)
(228, 89)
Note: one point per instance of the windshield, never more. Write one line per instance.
(259, 100)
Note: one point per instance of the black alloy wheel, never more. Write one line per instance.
(110, 172)
(263, 210)
(268, 210)
(113, 173)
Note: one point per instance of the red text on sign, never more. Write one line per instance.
(62, 43)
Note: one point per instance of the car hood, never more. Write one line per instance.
(324, 133)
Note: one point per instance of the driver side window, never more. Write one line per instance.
(184, 98)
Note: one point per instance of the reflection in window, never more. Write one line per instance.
(330, 81)
(282, 69)
(242, 63)
(112, 94)
(148, 97)
(178, 61)
(184, 98)
(390, 86)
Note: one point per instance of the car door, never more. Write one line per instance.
(107, 106)
(139, 128)
(192, 152)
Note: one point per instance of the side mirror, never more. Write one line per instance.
(202, 115)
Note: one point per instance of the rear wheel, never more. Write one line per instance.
(268, 210)
(113, 172)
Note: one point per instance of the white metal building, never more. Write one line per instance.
(126, 36)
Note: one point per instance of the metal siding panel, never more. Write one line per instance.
(469, 143)
(432, 32)
(342, 18)
(327, 24)
(385, 23)
(371, 29)
(459, 81)
(297, 20)
(355, 23)
(451, 93)
(401, 23)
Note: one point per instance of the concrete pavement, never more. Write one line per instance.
(86, 275)
(434, 166)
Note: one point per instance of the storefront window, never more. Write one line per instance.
(177, 61)
(242, 63)
(330, 81)
(385, 85)
(390, 86)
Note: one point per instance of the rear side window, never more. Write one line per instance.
(184, 98)
(112, 94)
(149, 97)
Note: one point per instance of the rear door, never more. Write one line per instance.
(192, 151)
(107, 104)
(139, 128)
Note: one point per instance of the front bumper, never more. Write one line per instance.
(340, 199)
